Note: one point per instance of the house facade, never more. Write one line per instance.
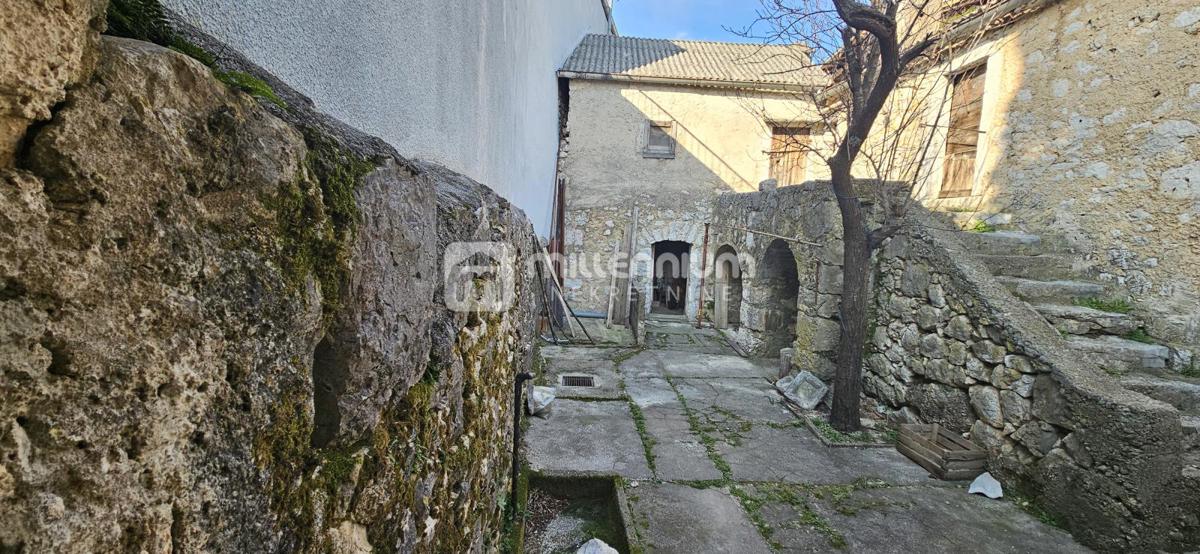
(1079, 120)
(656, 130)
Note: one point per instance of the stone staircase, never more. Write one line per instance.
(1045, 273)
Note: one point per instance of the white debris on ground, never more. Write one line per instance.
(986, 485)
(596, 546)
(539, 401)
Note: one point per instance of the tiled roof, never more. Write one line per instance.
(721, 63)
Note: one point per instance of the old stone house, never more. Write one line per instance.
(1082, 123)
(656, 130)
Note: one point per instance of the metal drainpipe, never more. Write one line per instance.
(518, 408)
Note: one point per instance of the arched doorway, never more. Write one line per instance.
(671, 263)
(727, 296)
(780, 285)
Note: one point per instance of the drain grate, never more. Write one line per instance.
(578, 381)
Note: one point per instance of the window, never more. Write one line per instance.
(962, 138)
(660, 140)
(788, 154)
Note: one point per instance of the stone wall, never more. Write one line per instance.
(952, 346)
(810, 214)
(1091, 131)
(223, 329)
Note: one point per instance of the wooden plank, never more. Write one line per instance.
(964, 475)
(956, 439)
(927, 443)
(925, 454)
(971, 464)
(921, 460)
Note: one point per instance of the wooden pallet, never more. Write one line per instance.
(946, 455)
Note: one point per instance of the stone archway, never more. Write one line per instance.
(652, 232)
(780, 285)
(727, 293)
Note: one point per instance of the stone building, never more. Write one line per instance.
(656, 130)
(1088, 120)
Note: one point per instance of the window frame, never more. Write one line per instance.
(655, 152)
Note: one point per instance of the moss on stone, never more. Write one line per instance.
(251, 85)
(317, 221)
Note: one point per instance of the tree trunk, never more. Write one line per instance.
(855, 271)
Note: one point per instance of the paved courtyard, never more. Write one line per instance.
(712, 461)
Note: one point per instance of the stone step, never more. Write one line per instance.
(1191, 433)
(1183, 394)
(1043, 266)
(1078, 320)
(1118, 354)
(1004, 242)
(1032, 290)
(968, 219)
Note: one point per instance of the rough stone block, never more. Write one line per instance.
(986, 401)
(989, 352)
(915, 280)
(949, 406)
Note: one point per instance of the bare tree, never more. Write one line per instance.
(869, 50)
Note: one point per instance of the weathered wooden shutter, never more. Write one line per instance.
(789, 152)
(962, 138)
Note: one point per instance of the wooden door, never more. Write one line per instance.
(962, 138)
(789, 152)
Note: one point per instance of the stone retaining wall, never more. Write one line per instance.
(952, 346)
(223, 328)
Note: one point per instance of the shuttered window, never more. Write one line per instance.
(962, 138)
(660, 140)
(789, 152)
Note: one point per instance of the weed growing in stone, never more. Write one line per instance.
(832, 435)
(251, 85)
(1114, 305)
(1141, 336)
(982, 227)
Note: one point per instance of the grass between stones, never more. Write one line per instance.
(1113, 305)
(834, 436)
(753, 497)
(1030, 506)
(639, 418)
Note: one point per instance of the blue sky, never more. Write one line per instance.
(684, 19)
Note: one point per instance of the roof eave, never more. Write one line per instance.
(682, 81)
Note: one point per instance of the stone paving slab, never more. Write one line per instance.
(745, 399)
(793, 455)
(932, 519)
(587, 437)
(680, 519)
(679, 455)
(695, 365)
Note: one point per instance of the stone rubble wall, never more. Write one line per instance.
(808, 212)
(951, 346)
(224, 328)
